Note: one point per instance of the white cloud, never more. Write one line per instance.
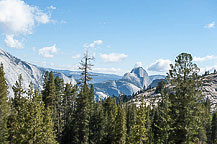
(160, 65)
(113, 57)
(138, 64)
(17, 17)
(206, 58)
(210, 25)
(52, 7)
(93, 44)
(41, 17)
(48, 52)
(13, 43)
(77, 56)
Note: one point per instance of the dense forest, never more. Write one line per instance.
(70, 114)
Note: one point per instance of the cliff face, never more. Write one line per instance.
(209, 90)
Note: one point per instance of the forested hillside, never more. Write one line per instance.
(69, 114)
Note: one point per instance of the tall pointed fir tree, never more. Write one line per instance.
(130, 119)
(82, 113)
(139, 131)
(69, 97)
(49, 136)
(120, 126)
(162, 120)
(45, 86)
(59, 85)
(37, 128)
(214, 129)
(4, 107)
(50, 98)
(18, 133)
(110, 112)
(97, 124)
(185, 98)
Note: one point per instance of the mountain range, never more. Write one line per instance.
(129, 84)
(104, 84)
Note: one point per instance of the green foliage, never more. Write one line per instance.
(62, 114)
(82, 115)
(120, 126)
(184, 98)
(160, 86)
(214, 128)
(97, 124)
(110, 111)
(4, 107)
(130, 119)
(139, 131)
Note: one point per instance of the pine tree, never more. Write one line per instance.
(185, 97)
(37, 118)
(34, 119)
(45, 86)
(50, 99)
(49, 136)
(110, 111)
(130, 119)
(162, 119)
(82, 116)
(214, 128)
(120, 126)
(68, 104)
(4, 107)
(18, 133)
(97, 124)
(85, 67)
(139, 131)
(84, 102)
(69, 98)
(59, 85)
(155, 127)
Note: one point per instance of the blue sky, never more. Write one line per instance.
(119, 33)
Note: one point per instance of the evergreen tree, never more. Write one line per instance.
(185, 96)
(110, 111)
(68, 104)
(120, 126)
(130, 119)
(139, 131)
(37, 119)
(82, 116)
(84, 102)
(51, 100)
(45, 86)
(49, 136)
(162, 118)
(214, 128)
(85, 67)
(97, 124)
(206, 122)
(18, 133)
(4, 107)
(59, 85)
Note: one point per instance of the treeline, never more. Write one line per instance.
(67, 114)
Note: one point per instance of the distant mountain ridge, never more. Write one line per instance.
(129, 84)
(13, 67)
(105, 84)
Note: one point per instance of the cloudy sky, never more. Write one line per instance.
(120, 34)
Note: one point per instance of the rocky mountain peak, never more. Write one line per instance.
(139, 71)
